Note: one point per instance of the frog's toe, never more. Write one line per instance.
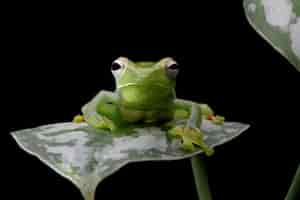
(218, 120)
(175, 131)
(78, 119)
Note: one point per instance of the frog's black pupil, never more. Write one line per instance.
(115, 66)
(174, 66)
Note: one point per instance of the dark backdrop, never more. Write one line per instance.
(59, 58)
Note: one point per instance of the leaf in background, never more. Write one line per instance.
(86, 156)
(277, 21)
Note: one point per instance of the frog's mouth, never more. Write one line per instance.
(137, 84)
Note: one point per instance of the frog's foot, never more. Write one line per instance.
(190, 137)
(219, 120)
(78, 119)
(100, 122)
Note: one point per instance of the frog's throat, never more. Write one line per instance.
(136, 84)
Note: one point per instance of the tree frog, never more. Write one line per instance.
(145, 94)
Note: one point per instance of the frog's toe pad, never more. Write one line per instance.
(218, 119)
(78, 119)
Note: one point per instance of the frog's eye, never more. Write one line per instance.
(116, 66)
(172, 70)
(173, 66)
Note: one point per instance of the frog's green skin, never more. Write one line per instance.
(145, 93)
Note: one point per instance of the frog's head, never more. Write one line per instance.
(145, 85)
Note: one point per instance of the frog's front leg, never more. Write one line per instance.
(189, 132)
(103, 112)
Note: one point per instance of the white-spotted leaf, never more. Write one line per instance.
(277, 21)
(86, 156)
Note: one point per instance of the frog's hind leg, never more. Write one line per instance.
(188, 116)
(191, 137)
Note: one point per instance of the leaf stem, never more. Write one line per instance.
(294, 191)
(200, 176)
(89, 196)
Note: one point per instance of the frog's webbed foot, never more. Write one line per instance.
(96, 121)
(101, 122)
(190, 137)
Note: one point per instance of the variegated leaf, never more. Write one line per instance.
(86, 156)
(277, 21)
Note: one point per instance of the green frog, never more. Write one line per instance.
(145, 94)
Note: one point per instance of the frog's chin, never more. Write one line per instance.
(145, 96)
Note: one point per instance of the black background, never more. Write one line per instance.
(59, 57)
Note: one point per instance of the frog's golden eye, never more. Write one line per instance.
(172, 69)
(173, 66)
(116, 66)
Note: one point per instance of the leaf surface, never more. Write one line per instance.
(86, 156)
